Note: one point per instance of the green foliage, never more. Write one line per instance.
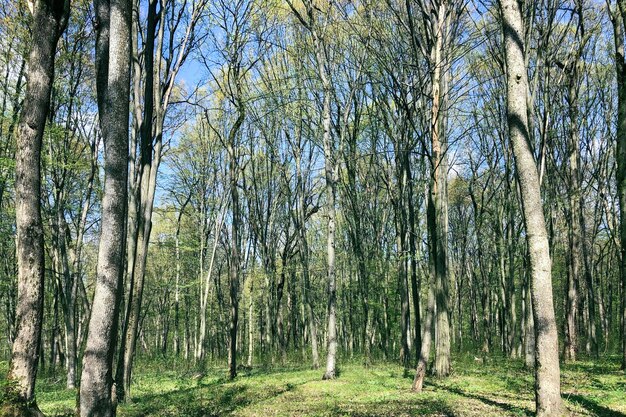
(8, 393)
(11, 405)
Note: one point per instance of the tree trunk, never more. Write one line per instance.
(547, 371)
(113, 21)
(420, 373)
(575, 204)
(235, 243)
(49, 22)
(140, 235)
(331, 192)
(234, 275)
(438, 191)
(304, 258)
(619, 26)
(415, 284)
(529, 324)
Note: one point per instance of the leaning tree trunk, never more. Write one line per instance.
(113, 21)
(547, 371)
(49, 22)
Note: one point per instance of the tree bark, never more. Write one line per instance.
(235, 242)
(49, 21)
(547, 371)
(113, 21)
(438, 194)
(619, 26)
(139, 232)
(424, 354)
(331, 191)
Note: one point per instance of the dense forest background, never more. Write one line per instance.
(324, 180)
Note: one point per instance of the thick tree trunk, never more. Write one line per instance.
(619, 26)
(438, 191)
(113, 21)
(49, 21)
(547, 371)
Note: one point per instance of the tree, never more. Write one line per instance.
(49, 20)
(69, 171)
(113, 25)
(149, 114)
(547, 371)
(317, 31)
(618, 18)
(236, 25)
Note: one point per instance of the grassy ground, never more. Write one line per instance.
(497, 388)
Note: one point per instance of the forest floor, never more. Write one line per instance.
(496, 388)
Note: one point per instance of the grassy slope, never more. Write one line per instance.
(499, 388)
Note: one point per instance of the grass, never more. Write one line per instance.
(496, 388)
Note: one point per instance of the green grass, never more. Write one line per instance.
(497, 388)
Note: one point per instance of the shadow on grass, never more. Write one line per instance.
(603, 367)
(425, 407)
(485, 400)
(592, 406)
(215, 398)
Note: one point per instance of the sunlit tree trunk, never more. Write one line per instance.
(438, 191)
(49, 22)
(547, 371)
(113, 21)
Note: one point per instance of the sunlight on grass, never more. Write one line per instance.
(496, 388)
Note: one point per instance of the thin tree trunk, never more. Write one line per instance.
(304, 259)
(574, 198)
(251, 322)
(422, 363)
(415, 284)
(140, 236)
(529, 324)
